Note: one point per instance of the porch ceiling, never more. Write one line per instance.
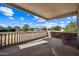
(48, 10)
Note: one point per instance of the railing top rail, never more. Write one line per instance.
(23, 32)
(64, 32)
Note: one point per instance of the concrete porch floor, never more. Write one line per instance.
(38, 50)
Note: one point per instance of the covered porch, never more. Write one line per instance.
(55, 41)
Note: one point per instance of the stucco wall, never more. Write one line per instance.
(68, 38)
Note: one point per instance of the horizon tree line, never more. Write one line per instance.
(16, 28)
(71, 27)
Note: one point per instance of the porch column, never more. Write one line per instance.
(49, 33)
(78, 28)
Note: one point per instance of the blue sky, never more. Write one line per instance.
(12, 17)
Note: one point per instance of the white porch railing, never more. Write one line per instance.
(8, 38)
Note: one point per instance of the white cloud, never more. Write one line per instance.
(68, 17)
(15, 22)
(62, 25)
(39, 19)
(6, 11)
(24, 23)
(50, 24)
(21, 18)
(28, 14)
(68, 21)
(11, 18)
(35, 17)
(30, 23)
(38, 24)
(61, 22)
(74, 17)
(3, 25)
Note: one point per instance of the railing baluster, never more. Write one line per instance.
(21, 37)
(0, 40)
(7, 38)
(18, 37)
(29, 36)
(13, 38)
(3, 39)
(26, 37)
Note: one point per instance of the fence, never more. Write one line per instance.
(9, 38)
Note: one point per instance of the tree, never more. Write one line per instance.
(25, 27)
(56, 28)
(2, 28)
(10, 28)
(17, 28)
(71, 27)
